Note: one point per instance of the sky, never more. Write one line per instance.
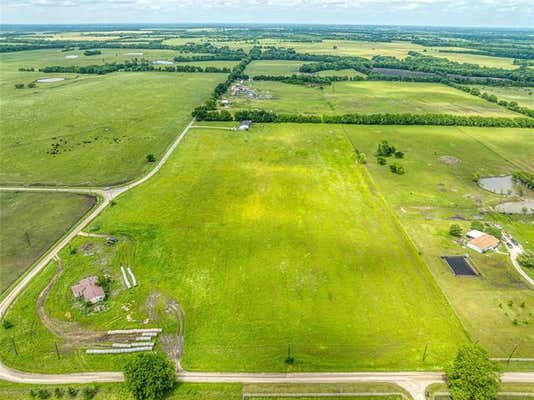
(492, 13)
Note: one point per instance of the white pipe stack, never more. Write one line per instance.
(129, 331)
(119, 350)
(125, 278)
(134, 281)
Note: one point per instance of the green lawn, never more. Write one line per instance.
(432, 195)
(524, 96)
(30, 223)
(367, 98)
(118, 391)
(102, 126)
(266, 240)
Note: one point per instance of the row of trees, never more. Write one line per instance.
(370, 119)
(130, 66)
(360, 65)
(306, 79)
(526, 178)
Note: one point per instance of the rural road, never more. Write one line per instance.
(514, 252)
(414, 382)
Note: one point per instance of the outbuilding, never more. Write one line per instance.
(474, 234)
(245, 125)
(483, 243)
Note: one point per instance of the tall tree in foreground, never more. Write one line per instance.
(473, 376)
(150, 376)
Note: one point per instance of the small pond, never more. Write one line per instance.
(499, 184)
(162, 62)
(50, 80)
(516, 207)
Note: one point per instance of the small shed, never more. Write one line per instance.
(245, 125)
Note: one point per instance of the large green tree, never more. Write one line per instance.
(473, 376)
(150, 376)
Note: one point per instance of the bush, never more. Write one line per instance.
(32, 85)
(399, 154)
(456, 230)
(89, 393)
(472, 375)
(59, 393)
(526, 259)
(477, 225)
(19, 85)
(493, 231)
(150, 158)
(43, 394)
(397, 169)
(362, 158)
(7, 324)
(72, 391)
(149, 376)
(381, 160)
(384, 149)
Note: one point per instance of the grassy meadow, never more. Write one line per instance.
(366, 98)
(283, 67)
(28, 228)
(93, 130)
(266, 239)
(432, 195)
(524, 96)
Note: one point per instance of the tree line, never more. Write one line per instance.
(526, 178)
(306, 79)
(130, 66)
(511, 105)
(367, 119)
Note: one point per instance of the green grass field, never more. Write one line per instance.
(432, 195)
(28, 227)
(367, 98)
(283, 220)
(101, 127)
(119, 391)
(524, 96)
(282, 67)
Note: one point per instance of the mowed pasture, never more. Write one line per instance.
(496, 307)
(283, 67)
(274, 238)
(524, 96)
(30, 222)
(93, 130)
(365, 98)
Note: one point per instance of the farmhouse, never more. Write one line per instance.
(483, 243)
(89, 290)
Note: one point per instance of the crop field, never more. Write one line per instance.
(29, 228)
(285, 227)
(93, 130)
(433, 194)
(524, 96)
(366, 98)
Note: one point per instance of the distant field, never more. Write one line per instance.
(485, 61)
(524, 96)
(367, 98)
(101, 127)
(282, 67)
(30, 222)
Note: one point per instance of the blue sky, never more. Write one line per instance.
(504, 13)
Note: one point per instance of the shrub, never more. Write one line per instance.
(477, 225)
(456, 230)
(89, 392)
(7, 324)
(32, 85)
(72, 391)
(19, 85)
(526, 259)
(43, 394)
(381, 160)
(472, 375)
(362, 158)
(397, 169)
(59, 393)
(150, 158)
(149, 376)
(384, 149)
(399, 154)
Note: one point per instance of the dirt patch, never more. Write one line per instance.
(449, 160)
(50, 80)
